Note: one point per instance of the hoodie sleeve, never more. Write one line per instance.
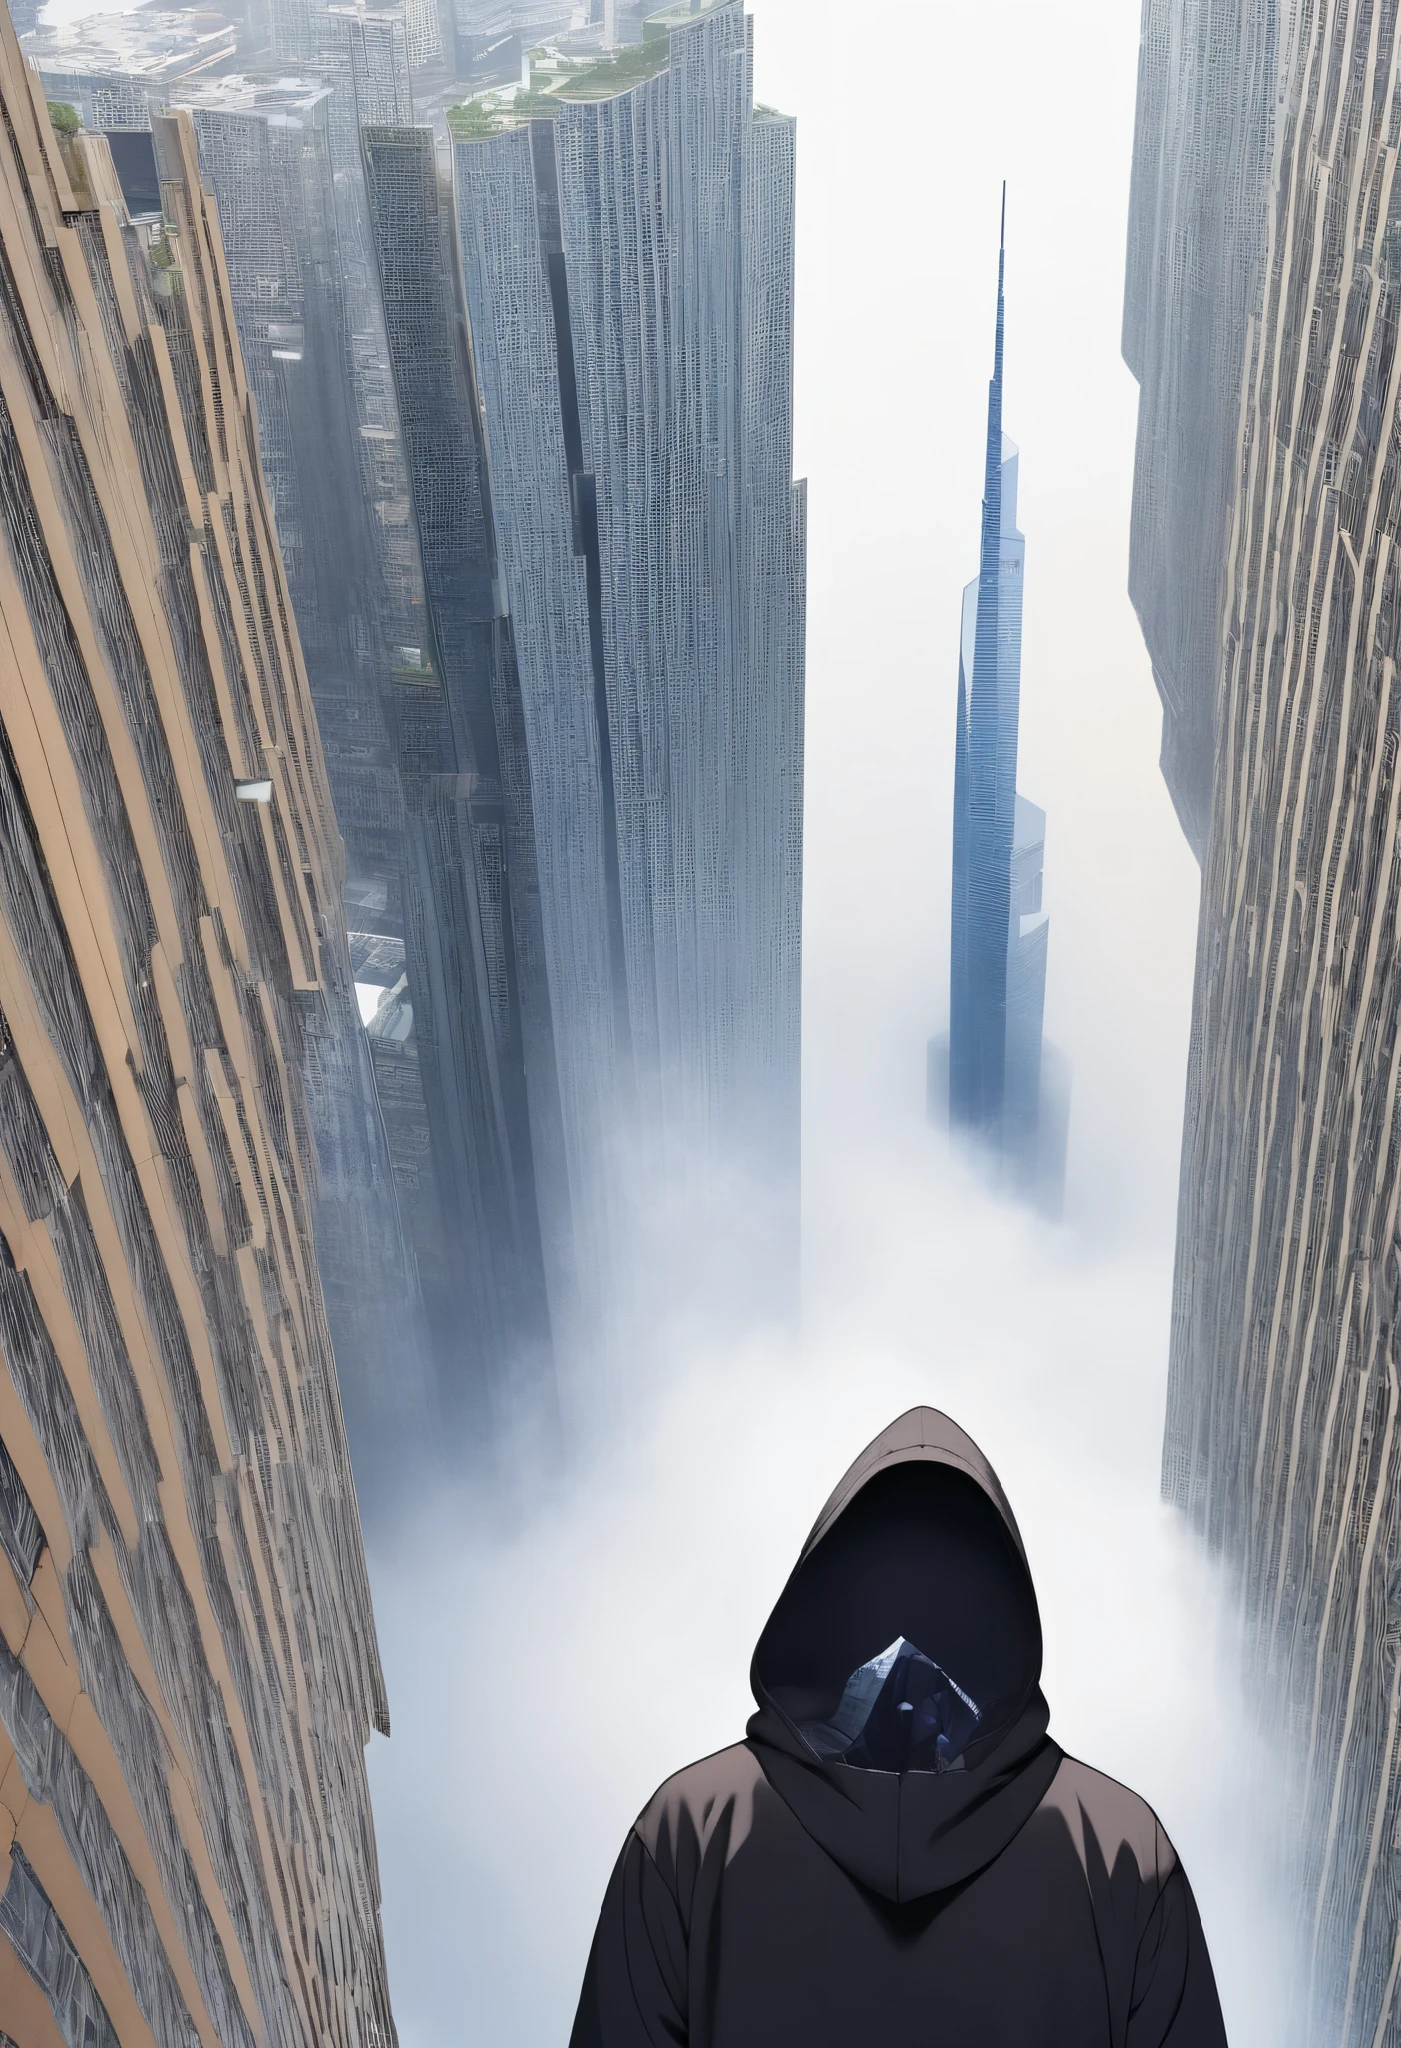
(1174, 2002)
(1157, 1971)
(634, 1993)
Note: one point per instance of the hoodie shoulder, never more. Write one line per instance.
(709, 1804)
(1106, 1821)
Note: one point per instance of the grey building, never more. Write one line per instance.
(1264, 281)
(327, 438)
(365, 45)
(423, 32)
(571, 800)
(106, 102)
(627, 263)
(404, 686)
(363, 53)
(474, 932)
(281, 159)
(425, 840)
(303, 290)
(1201, 172)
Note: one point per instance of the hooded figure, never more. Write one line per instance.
(898, 1853)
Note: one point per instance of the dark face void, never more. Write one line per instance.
(910, 1632)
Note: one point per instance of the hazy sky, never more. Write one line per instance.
(557, 1652)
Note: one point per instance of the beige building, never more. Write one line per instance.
(188, 1669)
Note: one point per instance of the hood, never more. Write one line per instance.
(917, 1542)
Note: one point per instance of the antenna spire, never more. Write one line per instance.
(995, 454)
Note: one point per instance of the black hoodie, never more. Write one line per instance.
(776, 1895)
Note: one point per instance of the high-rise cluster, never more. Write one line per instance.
(524, 402)
(188, 1671)
(1001, 1083)
(1264, 283)
(596, 723)
(391, 527)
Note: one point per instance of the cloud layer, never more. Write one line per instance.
(557, 1648)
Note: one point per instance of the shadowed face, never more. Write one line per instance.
(921, 1552)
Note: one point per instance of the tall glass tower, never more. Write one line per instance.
(627, 265)
(1005, 1086)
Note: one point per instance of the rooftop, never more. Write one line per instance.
(239, 92)
(557, 79)
(146, 43)
(660, 25)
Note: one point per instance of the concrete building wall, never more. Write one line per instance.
(769, 738)
(546, 597)
(628, 273)
(270, 163)
(1284, 1423)
(370, 421)
(1197, 219)
(472, 919)
(188, 1671)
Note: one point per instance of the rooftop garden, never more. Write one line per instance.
(554, 80)
(632, 66)
(473, 120)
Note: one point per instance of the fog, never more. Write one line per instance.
(557, 1646)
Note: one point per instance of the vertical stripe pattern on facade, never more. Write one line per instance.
(628, 271)
(1284, 1424)
(1197, 220)
(188, 1670)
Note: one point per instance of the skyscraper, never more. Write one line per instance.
(577, 876)
(271, 154)
(484, 1044)
(188, 1670)
(384, 532)
(1005, 1088)
(1201, 162)
(627, 262)
(1264, 281)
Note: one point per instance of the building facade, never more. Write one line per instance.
(282, 160)
(582, 833)
(285, 159)
(302, 295)
(386, 512)
(1207, 76)
(188, 1670)
(1005, 1087)
(1266, 208)
(627, 263)
(486, 1046)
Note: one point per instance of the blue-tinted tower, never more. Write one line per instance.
(1004, 1086)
